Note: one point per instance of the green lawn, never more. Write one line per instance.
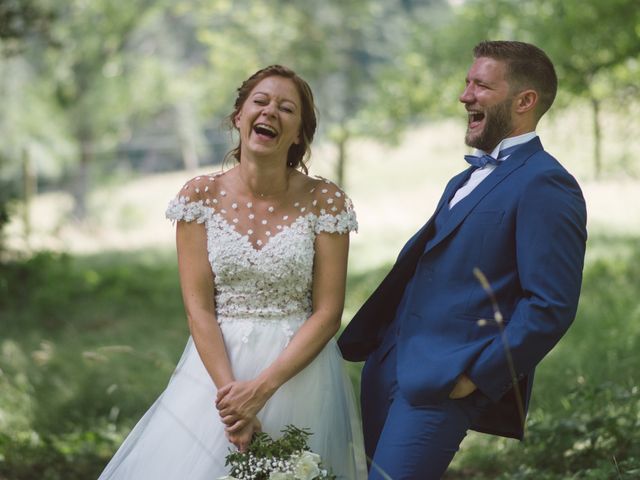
(88, 342)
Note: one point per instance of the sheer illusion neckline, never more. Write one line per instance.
(230, 228)
(255, 220)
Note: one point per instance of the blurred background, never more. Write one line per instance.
(107, 108)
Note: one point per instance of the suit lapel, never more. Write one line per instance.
(416, 245)
(406, 263)
(462, 209)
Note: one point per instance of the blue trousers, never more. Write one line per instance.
(408, 442)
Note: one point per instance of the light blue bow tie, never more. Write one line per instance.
(481, 160)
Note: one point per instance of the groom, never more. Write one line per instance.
(435, 367)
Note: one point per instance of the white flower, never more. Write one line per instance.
(306, 467)
(314, 457)
(280, 476)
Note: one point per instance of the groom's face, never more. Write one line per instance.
(489, 102)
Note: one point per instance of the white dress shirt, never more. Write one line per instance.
(479, 174)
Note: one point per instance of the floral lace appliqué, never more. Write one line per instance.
(269, 284)
(182, 209)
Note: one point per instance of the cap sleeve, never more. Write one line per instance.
(189, 203)
(334, 209)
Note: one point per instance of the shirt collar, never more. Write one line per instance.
(508, 142)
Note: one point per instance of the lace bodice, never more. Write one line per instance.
(262, 255)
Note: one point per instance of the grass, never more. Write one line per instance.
(89, 342)
(394, 189)
(87, 345)
(585, 411)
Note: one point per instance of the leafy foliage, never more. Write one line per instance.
(86, 83)
(595, 435)
(76, 455)
(88, 343)
(293, 440)
(585, 414)
(271, 455)
(600, 427)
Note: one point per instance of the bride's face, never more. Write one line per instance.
(270, 118)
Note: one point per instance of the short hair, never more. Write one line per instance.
(297, 152)
(527, 67)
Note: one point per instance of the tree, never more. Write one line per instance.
(341, 47)
(23, 25)
(22, 22)
(588, 41)
(102, 76)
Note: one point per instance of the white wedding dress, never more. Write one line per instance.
(263, 279)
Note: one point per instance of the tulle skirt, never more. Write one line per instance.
(181, 436)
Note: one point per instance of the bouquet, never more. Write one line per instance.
(287, 458)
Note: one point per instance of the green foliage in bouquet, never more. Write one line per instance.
(287, 458)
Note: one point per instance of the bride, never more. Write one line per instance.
(262, 255)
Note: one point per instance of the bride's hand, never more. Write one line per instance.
(242, 439)
(238, 403)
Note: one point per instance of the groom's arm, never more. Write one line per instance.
(550, 244)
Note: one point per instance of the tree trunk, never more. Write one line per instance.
(342, 141)
(189, 155)
(29, 189)
(80, 187)
(597, 138)
(187, 135)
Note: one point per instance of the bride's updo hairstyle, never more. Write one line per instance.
(298, 153)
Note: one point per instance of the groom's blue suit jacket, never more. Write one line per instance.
(524, 227)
